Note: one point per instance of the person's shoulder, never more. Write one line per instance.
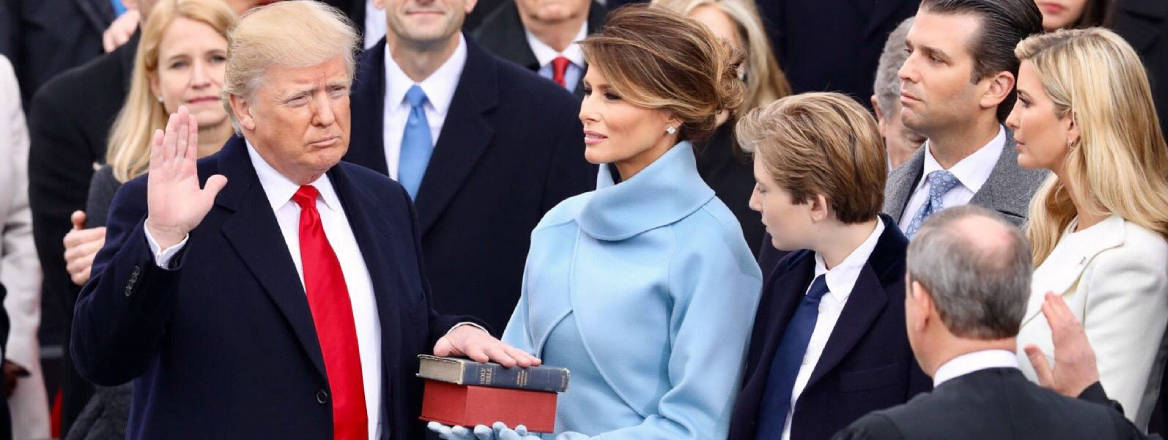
(872, 426)
(563, 213)
(520, 87)
(1140, 251)
(380, 185)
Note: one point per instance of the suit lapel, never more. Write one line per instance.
(868, 300)
(900, 184)
(781, 295)
(367, 144)
(865, 303)
(385, 271)
(507, 38)
(1072, 258)
(466, 134)
(1005, 190)
(255, 235)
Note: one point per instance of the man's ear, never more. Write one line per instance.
(921, 302)
(820, 208)
(876, 107)
(1072, 128)
(1000, 86)
(242, 109)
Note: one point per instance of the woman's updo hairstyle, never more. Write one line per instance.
(656, 58)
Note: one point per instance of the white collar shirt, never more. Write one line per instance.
(840, 282)
(544, 54)
(972, 172)
(973, 362)
(337, 230)
(439, 88)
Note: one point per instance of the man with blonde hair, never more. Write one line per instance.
(268, 291)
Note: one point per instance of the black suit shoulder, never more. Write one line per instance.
(994, 403)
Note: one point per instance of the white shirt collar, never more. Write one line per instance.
(975, 361)
(842, 278)
(439, 86)
(974, 170)
(545, 54)
(280, 189)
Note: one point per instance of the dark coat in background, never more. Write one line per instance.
(511, 148)
(1144, 24)
(69, 124)
(502, 33)
(44, 38)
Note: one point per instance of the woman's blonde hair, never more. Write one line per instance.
(128, 151)
(1119, 165)
(658, 59)
(765, 81)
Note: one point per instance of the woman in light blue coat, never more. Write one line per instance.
(645, 288)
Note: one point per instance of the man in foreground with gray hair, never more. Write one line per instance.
(269, 291)
(966, 290)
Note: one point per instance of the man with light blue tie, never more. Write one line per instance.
(483, 147)
(957, 86)
(542, 36)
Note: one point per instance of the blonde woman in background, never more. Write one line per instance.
(180, 62)
(1099, 223)
(721, 162)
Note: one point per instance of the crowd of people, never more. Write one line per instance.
(789, 219)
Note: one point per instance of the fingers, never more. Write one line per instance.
(78, 237)
(478, 353)
(169, 140)
(443, 347)
(213, 186)
(1041, 366)
(521, 357)
(78, 219)
(182, 133)
(192, 135)
(482, 432)
(498, 354)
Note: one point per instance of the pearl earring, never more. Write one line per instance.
(160, 100)
(670, 130)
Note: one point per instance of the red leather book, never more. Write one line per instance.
(466, 405)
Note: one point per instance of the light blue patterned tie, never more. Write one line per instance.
(416, 145)
(940, 182)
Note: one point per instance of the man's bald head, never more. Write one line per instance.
(976, 267)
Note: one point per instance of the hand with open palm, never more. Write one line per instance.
(175, 203)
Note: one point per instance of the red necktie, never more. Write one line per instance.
(328, 299)
(559, 66)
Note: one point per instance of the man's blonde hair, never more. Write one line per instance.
(295, 33)
(821, 143)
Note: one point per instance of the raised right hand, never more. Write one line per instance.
(81, 245)
(175, 203)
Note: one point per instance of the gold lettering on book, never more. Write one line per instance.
(522, 380)
(485, 376)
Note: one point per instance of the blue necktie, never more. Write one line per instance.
(776, 399)
(416, 145)
(940, 182)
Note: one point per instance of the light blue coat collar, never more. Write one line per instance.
(666, 191)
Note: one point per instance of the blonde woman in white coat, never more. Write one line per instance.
(1098, 225)
(20, 271)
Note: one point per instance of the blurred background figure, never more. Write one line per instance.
(722, 161)
(1144, 24)
(23, 382)
(900, 141)
(180, 61)
(1099, 223)
(543, 36)
(1066, 14)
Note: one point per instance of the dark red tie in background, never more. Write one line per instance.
(328, 298)
(559, 66)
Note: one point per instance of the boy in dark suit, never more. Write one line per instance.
(829, 341)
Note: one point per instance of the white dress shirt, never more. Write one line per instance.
(972, 172)
(840, 281)
(439, 88)
(339, 233)
(545, 54)
(374, 24)
(973, 362)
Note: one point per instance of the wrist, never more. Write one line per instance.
(165, 236)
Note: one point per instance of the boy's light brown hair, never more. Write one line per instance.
(821, 143)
